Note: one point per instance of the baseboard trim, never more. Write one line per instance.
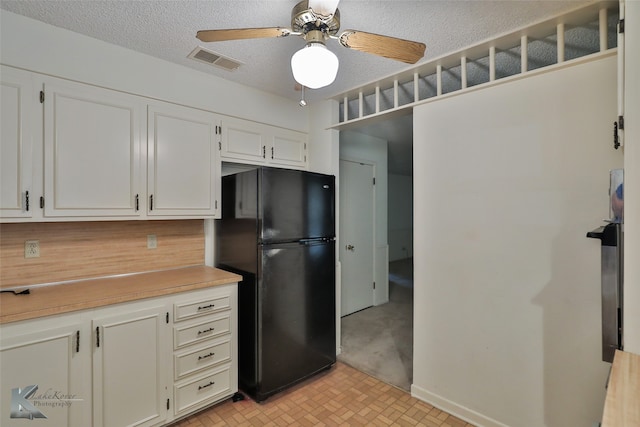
(453, 408)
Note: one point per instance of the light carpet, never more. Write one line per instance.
(379, 340)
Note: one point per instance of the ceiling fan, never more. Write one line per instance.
(314, 66)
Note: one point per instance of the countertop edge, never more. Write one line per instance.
(46, 301)
(623, 391)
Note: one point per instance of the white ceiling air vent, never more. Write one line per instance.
(203, 55)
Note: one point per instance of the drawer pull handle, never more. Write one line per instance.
(206, 355)
(206, 307)
(200, 387)
(205, 331)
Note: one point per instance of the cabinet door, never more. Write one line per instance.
(243, 140)
(257, 143)
(183, 171)
(130, 369)
(16, 159)
(288, 148)
(45, 375)
(92, 150)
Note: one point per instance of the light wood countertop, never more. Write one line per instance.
(622, 404)
(84, 294)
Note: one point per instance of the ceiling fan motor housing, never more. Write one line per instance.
(304, 20)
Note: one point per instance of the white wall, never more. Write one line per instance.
(632, 180)
(400, 211)
(357, 146)
(508, 180)
(324, 155)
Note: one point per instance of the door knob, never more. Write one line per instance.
(350, 248)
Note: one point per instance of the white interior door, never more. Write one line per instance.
(356, 235)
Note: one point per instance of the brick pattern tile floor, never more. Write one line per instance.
(341, 396)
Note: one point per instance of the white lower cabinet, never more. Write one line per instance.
(142, 363)
(44, 377)
(129, 379)
(205, 350)
(202, 390)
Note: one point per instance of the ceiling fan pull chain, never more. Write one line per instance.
(302, 102)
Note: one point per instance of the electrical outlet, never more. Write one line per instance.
(152, 241)
(32, 249)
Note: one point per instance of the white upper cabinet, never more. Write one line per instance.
(71, 151)
(288, 148)
(255, 143)
(92, 151)
(242, 140)
(17, 197)
(183, 172)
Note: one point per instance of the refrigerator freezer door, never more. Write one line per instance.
(296, 328)
(295, 205)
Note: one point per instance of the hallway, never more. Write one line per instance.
(379, 340)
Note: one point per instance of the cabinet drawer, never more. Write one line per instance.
(199, 308)
(201, 358)
(203, 330)
(203, 390)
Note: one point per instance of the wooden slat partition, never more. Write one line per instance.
(581, 16)
(602, 29)
(81, 250)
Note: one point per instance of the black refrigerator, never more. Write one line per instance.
(278, 231)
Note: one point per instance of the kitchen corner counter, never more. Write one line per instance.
(622, 407)
(92, 293)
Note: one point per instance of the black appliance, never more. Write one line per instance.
(611, 237)
(611, 257)
(278, 231)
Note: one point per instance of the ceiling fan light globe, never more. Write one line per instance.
(314, 66)
(324, 7)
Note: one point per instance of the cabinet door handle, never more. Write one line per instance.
(97, 336)
(264, 151)
(206, 307)
(77, 341)
(205, 331)
(26, 201)
(206, 355)
(137, 202)
(271, 153)
(151, 202)
(206, 385)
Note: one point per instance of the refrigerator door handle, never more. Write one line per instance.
(316, 241)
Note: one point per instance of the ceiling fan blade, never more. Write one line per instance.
(324, 7)
(242, 33)
(389, 47)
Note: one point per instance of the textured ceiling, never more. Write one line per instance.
(166, 29)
